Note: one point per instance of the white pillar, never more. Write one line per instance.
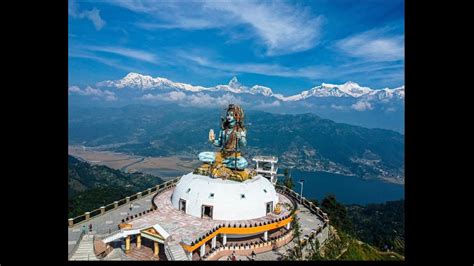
(224, 239)
(214, 241)
(265, 236)
(288, 226)
(203, 250)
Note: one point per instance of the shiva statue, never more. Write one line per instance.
(228, 162)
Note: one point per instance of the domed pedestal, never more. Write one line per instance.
(214, 198)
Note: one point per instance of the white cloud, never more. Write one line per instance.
(174, 96)
(93, 15)
(373, 45)
(264, 105)
(199, 99)
(282, 28)
(105, 61)
(131, 53)
(310, 72)
(95, 93)
(362, 106)
(337, 107)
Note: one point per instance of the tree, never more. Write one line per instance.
(337, 213)
(314, 253)
(297, 252)
(287, 181)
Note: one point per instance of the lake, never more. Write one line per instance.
(347, 189)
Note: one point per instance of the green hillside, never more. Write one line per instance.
(351, 227)
(92, 186)
(382, 225)
(305, 141)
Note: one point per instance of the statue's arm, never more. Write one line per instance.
(218, 142)
(243, 138)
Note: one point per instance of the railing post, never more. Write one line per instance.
(70, 221)
(139, 195)
(102, 210)
(88, 215)
(115, 204)
(127, 199)
(149, 191)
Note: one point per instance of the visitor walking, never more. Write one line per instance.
(90, 227)
(253, 255)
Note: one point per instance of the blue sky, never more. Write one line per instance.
(289, 46)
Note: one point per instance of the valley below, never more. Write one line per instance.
(166, 168)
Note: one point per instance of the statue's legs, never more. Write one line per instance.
(230, 162)
(207, 157)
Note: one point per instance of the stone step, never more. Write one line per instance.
(85, 250)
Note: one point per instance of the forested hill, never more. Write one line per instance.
(92, 186)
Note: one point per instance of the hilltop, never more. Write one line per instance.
(92, 186)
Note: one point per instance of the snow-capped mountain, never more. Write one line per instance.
(387, 94)
(349, 89)
(347, 103)
(144, 82)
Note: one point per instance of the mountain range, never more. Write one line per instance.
(348, 103)
(348, 89)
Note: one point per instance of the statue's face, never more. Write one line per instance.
(230, 117)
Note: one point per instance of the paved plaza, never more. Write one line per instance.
(187, 228)
(181, 226)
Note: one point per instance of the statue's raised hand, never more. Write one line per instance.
(211, 135)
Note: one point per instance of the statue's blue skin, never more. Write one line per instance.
(210, 157)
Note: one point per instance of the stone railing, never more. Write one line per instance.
(302, 200)
(116, 204)
(247, 248)
(229, 228)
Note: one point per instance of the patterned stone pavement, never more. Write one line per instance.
(180, 225)
(187, 228)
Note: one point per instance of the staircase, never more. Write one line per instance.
(174, 251)
(85, 250)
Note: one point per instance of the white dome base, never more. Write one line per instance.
(203, 196)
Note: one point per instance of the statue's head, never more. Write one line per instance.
(230, 117)
(234, 115)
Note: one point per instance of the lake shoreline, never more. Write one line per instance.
(347, 189)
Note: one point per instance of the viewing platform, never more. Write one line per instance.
(190, 237)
